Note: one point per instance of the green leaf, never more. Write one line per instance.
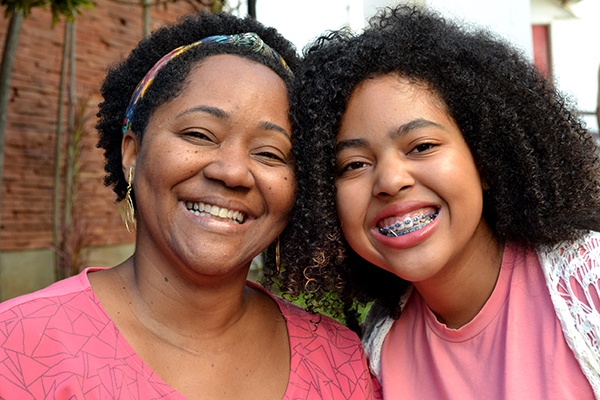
(68, 9)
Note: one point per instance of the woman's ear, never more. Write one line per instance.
(129, 151)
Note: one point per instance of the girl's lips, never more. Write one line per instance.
(404, 237)
(401, 212)
(405, 224)
(408, 219)
(395, 226)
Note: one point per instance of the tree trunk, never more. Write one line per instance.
(146, 16)
(69, 173)
(57, 206)
(252, 8)
(8, 58)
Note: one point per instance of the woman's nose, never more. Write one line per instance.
(230, 165)
(392, 174)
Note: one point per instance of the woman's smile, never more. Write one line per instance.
(212, 211)
(213, 176)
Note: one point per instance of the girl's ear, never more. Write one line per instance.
(129, 151)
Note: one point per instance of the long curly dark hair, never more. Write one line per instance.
(539, 161)
(122, 79)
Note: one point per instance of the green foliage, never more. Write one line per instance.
(65, 8)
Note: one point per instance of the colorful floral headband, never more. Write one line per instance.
(250, 40)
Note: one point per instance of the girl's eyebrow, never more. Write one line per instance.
(350, 144)
(402, 130)
(415, 124)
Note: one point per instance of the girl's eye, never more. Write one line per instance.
(420, 148)
(351, 166)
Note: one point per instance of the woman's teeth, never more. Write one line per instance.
(408, 225)
(208, 210)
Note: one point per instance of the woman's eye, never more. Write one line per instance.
(270, 155)
(198, 135)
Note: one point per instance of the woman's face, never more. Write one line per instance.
(409, 195)
(213, 176)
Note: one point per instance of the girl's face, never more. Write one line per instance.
(409, 195)
(213, 176)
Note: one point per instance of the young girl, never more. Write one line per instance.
(467, 198)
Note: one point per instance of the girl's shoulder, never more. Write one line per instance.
(572, 272)
(572, 261)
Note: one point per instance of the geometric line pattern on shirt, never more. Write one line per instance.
(59, 343)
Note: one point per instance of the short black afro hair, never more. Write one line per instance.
(122, 79)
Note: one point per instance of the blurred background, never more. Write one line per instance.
(56, 216)
(563, 36)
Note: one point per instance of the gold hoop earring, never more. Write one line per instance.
(129, 208)
(278, 255)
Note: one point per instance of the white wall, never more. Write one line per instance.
(509, 18)
(576, 57)
(575, 41)
(303, 21)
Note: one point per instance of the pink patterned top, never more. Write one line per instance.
(59, 343)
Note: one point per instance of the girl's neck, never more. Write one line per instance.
(457, 297)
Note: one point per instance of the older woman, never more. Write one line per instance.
(197, 139)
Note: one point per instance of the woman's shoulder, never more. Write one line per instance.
(304, 324)
(44, 298)
(327, 358)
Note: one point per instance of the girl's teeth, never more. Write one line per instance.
(409, 225)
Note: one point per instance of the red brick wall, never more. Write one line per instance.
(104, 34)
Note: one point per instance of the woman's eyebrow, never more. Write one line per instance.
(270, 126)
(214, 111)
(224, 115)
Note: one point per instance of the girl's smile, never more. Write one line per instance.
(404, 225)
(409, 194)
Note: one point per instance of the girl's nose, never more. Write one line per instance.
(392, 174)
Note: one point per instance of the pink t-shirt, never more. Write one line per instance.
(513, 349)
(59, 343)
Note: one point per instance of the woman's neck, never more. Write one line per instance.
(205, 303)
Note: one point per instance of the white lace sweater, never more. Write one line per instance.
(569, 265)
